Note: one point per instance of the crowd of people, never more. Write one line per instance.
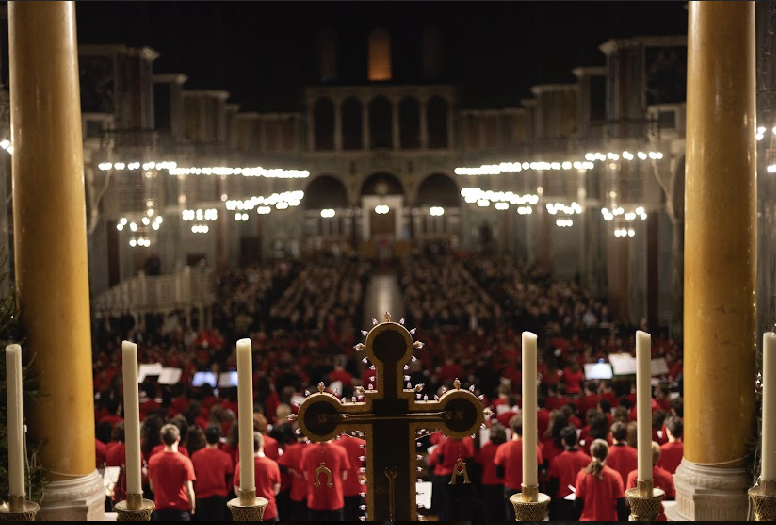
(304, 318)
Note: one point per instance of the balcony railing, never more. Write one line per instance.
(181, 290)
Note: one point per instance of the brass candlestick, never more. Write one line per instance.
(247, 507)
(134, 508)
(763, 496)
(530, 505)
(18, 509)
(644, 501)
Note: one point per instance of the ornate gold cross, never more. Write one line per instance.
(390, 418)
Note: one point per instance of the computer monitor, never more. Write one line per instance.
(200, 378)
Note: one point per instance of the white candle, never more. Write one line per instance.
(13, 354)
(530, 432)
(769, 407)
(644, 403)
(245, 409)
(131, 417)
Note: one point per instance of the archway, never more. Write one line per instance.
(381, 123)
(437, 216)
(382, 199)
(324, 125)
(409, 123)
(328, 222)
(437, 123)
(352, 133)
(325, 191)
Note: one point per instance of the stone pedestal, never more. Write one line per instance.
(705, 493)
(78, 499)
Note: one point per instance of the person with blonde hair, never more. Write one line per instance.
(662, 479)
(600, 492)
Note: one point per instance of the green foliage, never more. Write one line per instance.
(11, 332)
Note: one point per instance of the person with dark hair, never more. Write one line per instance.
(114, 457)
(599, 429)
(605, 407)
(150, 405)
(324, 503)
(195, 440)
(150, 437)
(622, 458)
(180, 422)
(661, 478)
(171, 476)
(271, 447)
(491, 487)
(509, 463)
(658, 429)
(291, 466)
(600, 490)
(112, 405)
(352, 488)
(672, 452)
(214, 471)
(562, 474)
(552, 445)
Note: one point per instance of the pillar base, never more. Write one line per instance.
(78, 499)
(705, 493)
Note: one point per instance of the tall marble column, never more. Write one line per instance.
(720, 254)
(51, 252)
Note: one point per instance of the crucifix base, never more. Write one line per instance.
(530, 505)
(134, 508)
(644, 501)
(19, 509)
(247, 507)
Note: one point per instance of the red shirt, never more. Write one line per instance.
(111, 418)
(99, 449)
(573, 380)
(179, 405)
(486, 457)
(292, 460)
(147, 407)
(169, 472)
(550, 450)
(671, 455)
(341, 375)
(449, 450)
(623, 459)
(160, 448)
(510, 456)
(600, 495)
(353, 446)
(662, 479)
(212, 466)
(114, 457)
(565, 468)
(336, 460)
(271, 448)
(542, 421)
(266, 476)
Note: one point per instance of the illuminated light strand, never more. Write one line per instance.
(627, 215)
(200, 228)
(436, 211)
(210, 214)
(288, 198)
(173, 169)
(590, 158)
(382, 209)
(553, 208)
(624, 232)
(474, 195)
(564, 223)
(327, 213)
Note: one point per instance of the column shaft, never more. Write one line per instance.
(50, 228)
(719, 278)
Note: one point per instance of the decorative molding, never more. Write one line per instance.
(79, 499)
(711, 493)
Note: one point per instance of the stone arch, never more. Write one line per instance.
(325, 191)
(382, 183)
(323, 116)
(437, 122)
(380, 123)
(352, 133)
(409, 123)
(438, 189)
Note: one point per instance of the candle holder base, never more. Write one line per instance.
(18, 509)
(763, 497)
(247, 507)
(530, 505)
(644, 501)
(141, 508)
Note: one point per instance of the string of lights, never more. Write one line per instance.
(173, 169)
(565, 165)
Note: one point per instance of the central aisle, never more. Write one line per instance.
(382, 295)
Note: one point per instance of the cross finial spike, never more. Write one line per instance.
(321, 387)
(457, 384)
(387, 317)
